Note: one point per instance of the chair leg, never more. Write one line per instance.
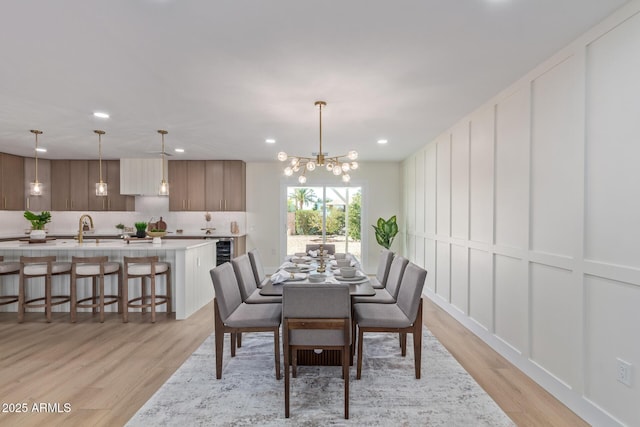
(125, 298)
(403, 343)
(47, 296)
(74, 297)
(21, 298)
(417, 341)
(101, 296)
(153, 298)
(234, 337)
(219, 337)
(239, 339)
(359, 369)
(276, 343)
(169, 292)
(345, 372)
(287, 362)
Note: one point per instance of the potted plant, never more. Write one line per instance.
(38, 221)
(141, 229)
(386, 231)
(120, 228)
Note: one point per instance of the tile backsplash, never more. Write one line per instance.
(147, 209)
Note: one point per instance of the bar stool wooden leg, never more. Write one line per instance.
(47, 290)
(74, 297)
(125, 297)
(153, 298)
(21, 292)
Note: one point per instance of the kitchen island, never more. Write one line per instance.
(190, 262)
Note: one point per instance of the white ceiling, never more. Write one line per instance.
(221, 76)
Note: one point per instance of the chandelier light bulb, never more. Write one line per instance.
(337, 170)
(294, 160)
(288, 171)
(346, 167)
(296, 168)
(346, 177)
(282, 156)
(352, 155)
(329, 166)
(354, 165)
(311, 166)
(302, 179)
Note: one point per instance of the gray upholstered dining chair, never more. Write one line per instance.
(405, 316)
(384, 264)
(389, 294)
(258, 269)
(329, 247)
(315, 316)
(234, 316)
(247, 282)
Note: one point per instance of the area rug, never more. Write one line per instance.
(388, 393)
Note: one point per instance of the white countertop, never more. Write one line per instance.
(104, 245)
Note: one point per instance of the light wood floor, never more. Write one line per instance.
(106, 372)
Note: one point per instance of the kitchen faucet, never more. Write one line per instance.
(81, 224)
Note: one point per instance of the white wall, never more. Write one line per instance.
(266, 187)
(526, 214)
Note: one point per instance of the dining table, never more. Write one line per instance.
(297, 270)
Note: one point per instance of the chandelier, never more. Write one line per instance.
(35, 188)
(338, 165)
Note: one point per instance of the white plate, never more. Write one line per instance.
(351, 279)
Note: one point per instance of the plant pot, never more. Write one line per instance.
(38, 235)
(141, 233)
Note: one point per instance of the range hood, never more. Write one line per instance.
(141, 177)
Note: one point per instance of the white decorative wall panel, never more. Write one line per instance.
(612, 332)
(511, 311)
(613, 146)
(430, 263)
(555, 317)
(460, 277)
(481, 176)
(481, 287)
(556, 158)
(420, 254)
(512, 170)
(443, 182)
(419, 192)
(410, 188)
(430, 189)
(443, 276)
(460, 181)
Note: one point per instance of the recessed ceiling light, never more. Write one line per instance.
(179, 150)
(270, 141)
(41, 150)
(382, 141)
(101, 115)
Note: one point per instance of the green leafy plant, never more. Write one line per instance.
(38, 221)
(120, 226)
(140, 226)
(386, 231)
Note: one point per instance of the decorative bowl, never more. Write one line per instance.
(156, 233)
(317, 278)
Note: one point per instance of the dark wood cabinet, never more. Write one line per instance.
(60, 194)
(186, 185)
(11, 182)
(70, 185)
(225, 186)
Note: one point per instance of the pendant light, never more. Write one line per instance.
(35, 188)
(101, 186)
(164, 185)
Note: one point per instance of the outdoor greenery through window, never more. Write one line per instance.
(324, 214)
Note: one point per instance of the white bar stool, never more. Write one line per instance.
(7, 268)
(149, 268)
(47, 267)
(95, 268)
